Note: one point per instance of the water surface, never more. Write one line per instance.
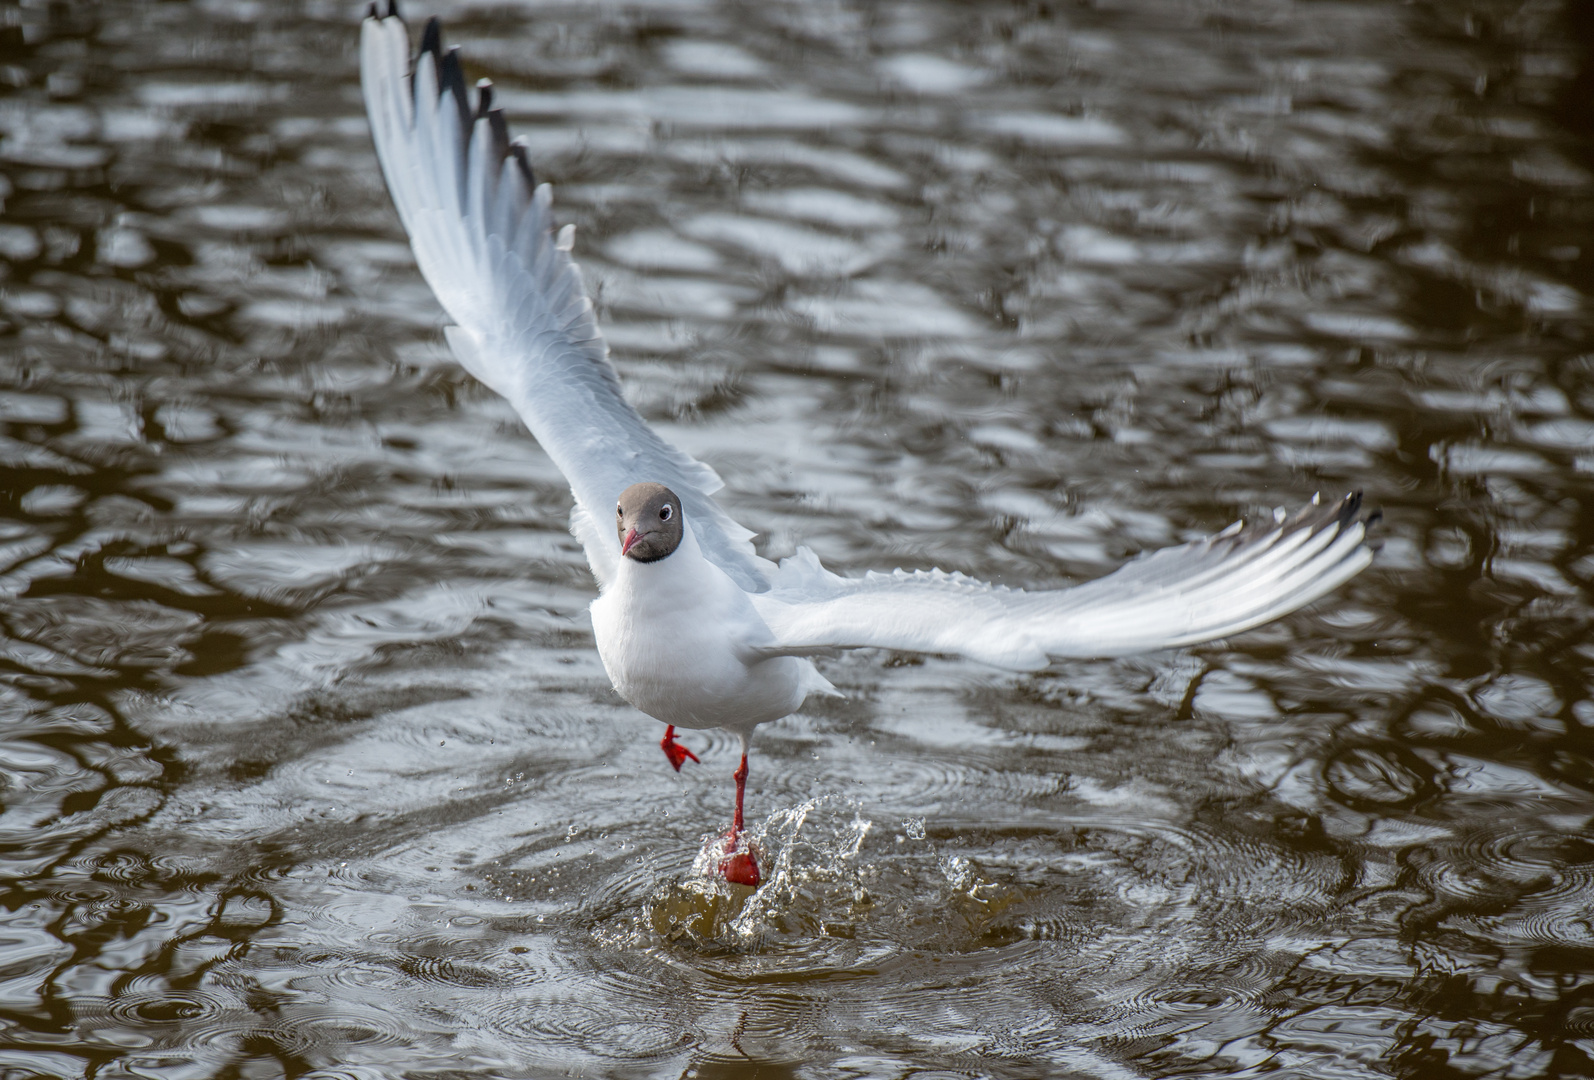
(310, 767)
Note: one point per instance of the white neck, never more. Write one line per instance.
(683, 568)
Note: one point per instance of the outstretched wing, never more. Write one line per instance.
(482, 232)
(1240, 578)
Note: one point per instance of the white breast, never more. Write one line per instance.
(672, 635)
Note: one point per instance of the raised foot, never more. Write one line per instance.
(674, 750)
(739, 867)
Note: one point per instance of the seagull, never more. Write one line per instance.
(695, 628)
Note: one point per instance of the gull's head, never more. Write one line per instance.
(648, 518)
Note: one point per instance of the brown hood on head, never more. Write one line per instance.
(648, 518)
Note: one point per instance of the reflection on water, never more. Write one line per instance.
(310, 765)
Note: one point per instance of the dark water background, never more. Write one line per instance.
(310, 767)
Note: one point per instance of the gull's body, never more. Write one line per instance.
(676, 638)
(695, 628)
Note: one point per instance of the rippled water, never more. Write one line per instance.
(309, 763)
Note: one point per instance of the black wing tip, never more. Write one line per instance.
(1339, 517)
(500, 132)
(451, 79)
(373, 10)
(1352, 510)
(432, 37)
(517, 150)
(1315, 517)
(1368, 520)
(1349, 507)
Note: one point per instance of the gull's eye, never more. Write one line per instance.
(619, 511)
(665, 512)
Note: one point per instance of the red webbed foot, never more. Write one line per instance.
(739, 866)
(674, 750)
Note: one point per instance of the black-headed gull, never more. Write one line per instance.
(694, 628)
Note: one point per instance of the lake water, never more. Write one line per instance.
(310, 767)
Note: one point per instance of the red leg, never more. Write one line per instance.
(740, 776)
(739, 866)
(674, 750)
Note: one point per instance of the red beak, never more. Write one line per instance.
(631, 537)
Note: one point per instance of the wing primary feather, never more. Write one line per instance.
(508, 203)
(424, 83)
(451, 80)
(480, 178)
(484, 98)
(531, 240)
(517, 150)
(500, 129)
(393, 10)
